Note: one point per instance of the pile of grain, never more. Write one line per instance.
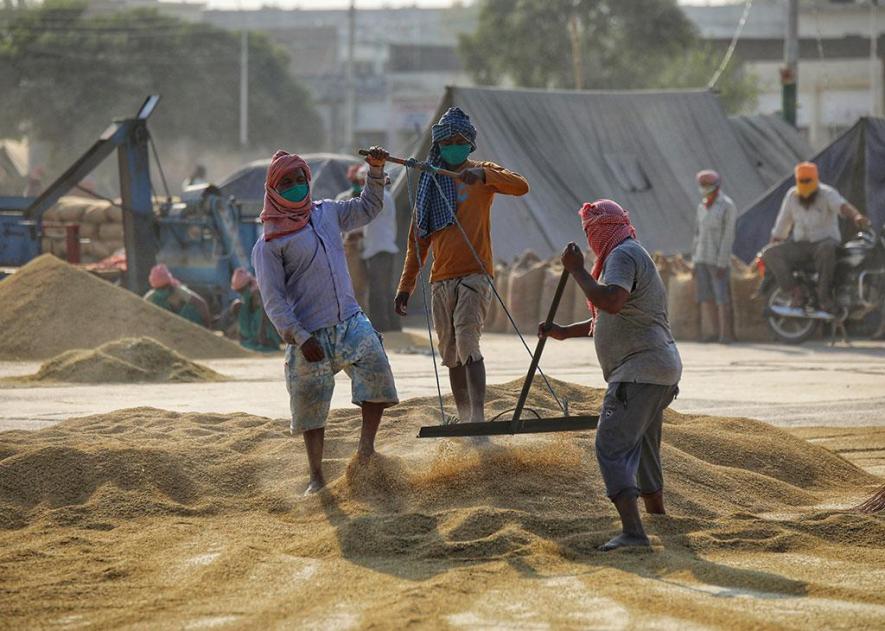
(49, 307)
(100, 227)
(130, 360)
(876, 504)
(200, 514)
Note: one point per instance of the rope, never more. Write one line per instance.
(491, 283)
(413, 202)
(731, 47)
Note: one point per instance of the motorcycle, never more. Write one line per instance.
(859, 293)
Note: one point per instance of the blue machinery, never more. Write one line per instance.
(202, 241)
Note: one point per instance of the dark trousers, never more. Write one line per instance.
(628, 439)
(785, 257)
(380, 270)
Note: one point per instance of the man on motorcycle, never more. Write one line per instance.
(811, 210)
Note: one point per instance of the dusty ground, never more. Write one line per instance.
(151, 519)
(812, 384)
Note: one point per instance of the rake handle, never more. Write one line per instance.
(420, 166)
(536, 358)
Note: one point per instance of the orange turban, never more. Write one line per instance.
(807, 178)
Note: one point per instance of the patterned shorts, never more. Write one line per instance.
(352, 346)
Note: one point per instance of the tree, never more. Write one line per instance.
(64, 75)
(607, 44)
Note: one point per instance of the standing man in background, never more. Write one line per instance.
(711, 254)
(379, 251)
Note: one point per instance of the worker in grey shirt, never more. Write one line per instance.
(711, 254)
(308, 295)
(638, 357)
(811, 210)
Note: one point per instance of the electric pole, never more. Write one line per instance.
(875, 71)
(350, 113)
(244, 88)
(790, 70)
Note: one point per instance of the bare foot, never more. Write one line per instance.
(624, 540)
(364, 453)
(316, 484)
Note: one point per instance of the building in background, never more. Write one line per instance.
(838, 80)
(403, 59)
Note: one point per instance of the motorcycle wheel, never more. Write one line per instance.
(788, 330)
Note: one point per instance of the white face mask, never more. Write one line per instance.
(707, 190)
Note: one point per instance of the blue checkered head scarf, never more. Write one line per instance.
(433, 212)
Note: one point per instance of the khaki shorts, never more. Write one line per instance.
(459, 310)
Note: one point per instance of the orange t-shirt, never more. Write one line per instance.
(452, 257)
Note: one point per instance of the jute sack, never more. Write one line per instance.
(548, 290)
(96, 249)
(494, 306)
(66, 209)
(501, 324)
(525, 287)
(110, 232)
(114, 214)
(580, 308)
(682, 308)
(749, 322)
(96, 212)
(88, 231)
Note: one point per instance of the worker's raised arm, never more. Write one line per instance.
(267, 259)
(784, 222)
(503, 181)
(357, 212)
(410, 265)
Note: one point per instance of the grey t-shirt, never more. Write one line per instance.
(635, 344)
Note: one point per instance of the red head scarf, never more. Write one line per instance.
(160, 277)
(280, 216)
(606, 225)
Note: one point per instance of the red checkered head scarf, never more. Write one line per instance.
(279, 215)
(606, 225)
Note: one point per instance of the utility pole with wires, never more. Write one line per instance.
(875, 70)
(350, 107)
(790, 70)
(244, 88)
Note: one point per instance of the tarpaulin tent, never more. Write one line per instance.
(641, 148)
(854, 163)
(772, 144)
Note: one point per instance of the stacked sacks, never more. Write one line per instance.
(682, 306)
(524, 290)
(548, 290)
(100, 227)
(749, 321)
(496, 318)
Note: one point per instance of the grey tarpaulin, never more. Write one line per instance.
(773, 145)
(854, 163)
(641, 148)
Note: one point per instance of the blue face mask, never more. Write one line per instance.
(454, 155)
(296, 193)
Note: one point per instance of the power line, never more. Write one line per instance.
(731, 47)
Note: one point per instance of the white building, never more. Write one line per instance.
(838, 79)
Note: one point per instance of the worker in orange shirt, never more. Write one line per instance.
(461, 294)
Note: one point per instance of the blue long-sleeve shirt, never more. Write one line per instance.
(303, 277)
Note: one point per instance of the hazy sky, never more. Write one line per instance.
(366, 4)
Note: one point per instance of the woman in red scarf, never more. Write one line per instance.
(638, 358)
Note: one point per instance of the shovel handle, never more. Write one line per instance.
(421, 166)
